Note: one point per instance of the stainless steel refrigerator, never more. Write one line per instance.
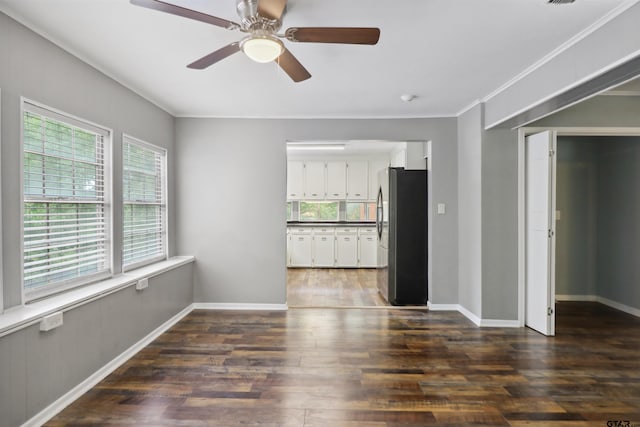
(401, 221)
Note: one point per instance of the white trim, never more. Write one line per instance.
(238, 306)
(522, 133)
(469, 107)
(618, 306)
(602, 300)
(319, 116)
(562, 90)
(498, 323)
(617, 11)
(20, 317)
(442, 307)
(65, 400)
(469, 315)
(562, 297)
(614, 92)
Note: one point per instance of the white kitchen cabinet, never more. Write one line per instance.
(346, 247)
(301, 247)
(336, 180)
(357, 180)
(315, 180)
(368, 247)
(288, 247)
(324, 247)
(375, 166)
(295, 180)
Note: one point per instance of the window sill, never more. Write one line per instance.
(20, 317)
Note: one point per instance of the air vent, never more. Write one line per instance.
(560, 1)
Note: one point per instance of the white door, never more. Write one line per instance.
(540, 232)
(315, 180)
(368, 242)
(357, 180)
(346, 249)
(336, 180)
(301, 249)
(295, 180)
(324, 249)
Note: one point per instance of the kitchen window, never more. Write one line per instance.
(65, 202)
(319, 211)
(144, 203)
(360, 211)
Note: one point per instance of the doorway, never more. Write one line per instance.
(332, 189)
(591, 212)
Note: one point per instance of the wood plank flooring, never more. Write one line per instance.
(374, 368)
(333, 287)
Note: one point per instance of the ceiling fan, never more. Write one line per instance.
(262, 19)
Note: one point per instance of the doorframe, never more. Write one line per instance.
(560, 131)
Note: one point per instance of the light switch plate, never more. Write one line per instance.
(441, 209)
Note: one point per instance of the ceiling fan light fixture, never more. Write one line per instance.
(262, 48)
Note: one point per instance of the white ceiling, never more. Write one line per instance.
(449, 53)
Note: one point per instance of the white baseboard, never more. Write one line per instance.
(602, 300)
(498, 323)
(469, 315)
(239, 306)
(442, 307)
(613, 304)
(590, 298)
(65, 400)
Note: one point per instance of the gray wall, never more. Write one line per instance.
(576, 203)
(500, 224)
(599, 111)
(618, 226)
(38, 367)
(232, 190)
(33, 67)
(615, 41)
(488, 218)
(470, 210)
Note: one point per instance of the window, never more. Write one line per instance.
(144, 203)
(65, 201)
(319, 211)
(361, 211)
(289, 211)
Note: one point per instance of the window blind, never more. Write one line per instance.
(144, 206)
(64, 224)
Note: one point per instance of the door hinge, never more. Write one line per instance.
(550, 233)
(549, 311)
(551, 153)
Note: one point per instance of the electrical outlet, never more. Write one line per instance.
(142, 284)
(51, 321)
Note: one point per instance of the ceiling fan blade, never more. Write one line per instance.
(271, 9)
(186, 13)
(216, 56)
(333, 35)
(292, 67)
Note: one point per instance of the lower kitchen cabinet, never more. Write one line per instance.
(346, 248)
(368, 247)
(332, 247)
(300, 245)
(323, 249)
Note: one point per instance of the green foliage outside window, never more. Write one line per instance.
(319, 211)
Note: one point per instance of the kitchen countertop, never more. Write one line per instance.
(330, 224)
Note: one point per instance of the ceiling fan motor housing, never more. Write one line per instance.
(252, 22)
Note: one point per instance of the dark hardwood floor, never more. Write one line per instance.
(333, 287)
(359, 367)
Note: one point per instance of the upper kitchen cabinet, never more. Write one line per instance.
(357, 180)
(315, 180)
(295, 180)
(375, 166)
(336, 180)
